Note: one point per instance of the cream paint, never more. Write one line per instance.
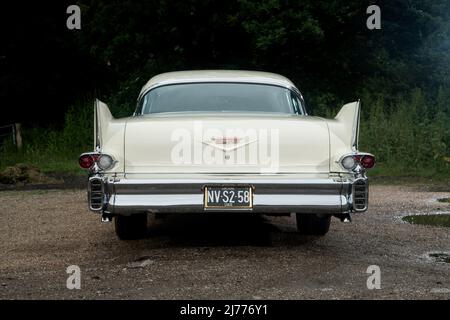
(303, 143)
(344, 130)
(110, 133)
(144, 144)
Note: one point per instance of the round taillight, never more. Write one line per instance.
(86, 161)
(368, 161)
(105, 162)
(348, 162)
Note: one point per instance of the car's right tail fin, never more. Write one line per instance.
(348, 116)
(102, 119)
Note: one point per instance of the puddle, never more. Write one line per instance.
(440, 290)
(437, 220)
(440, 257)
(142, 262)
(445, 200)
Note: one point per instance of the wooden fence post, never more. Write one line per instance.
(18, 136)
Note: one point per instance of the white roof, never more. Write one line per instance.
(217, 76)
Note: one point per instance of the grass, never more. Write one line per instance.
(391, 173)
(54, 149)
(46, 149)
(48, 163)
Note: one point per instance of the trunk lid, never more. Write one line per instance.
(226, 143)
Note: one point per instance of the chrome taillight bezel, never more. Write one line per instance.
(357, 156)
(96, 156)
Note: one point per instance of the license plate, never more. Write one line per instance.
(228, 197)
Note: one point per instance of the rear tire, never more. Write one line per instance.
(131, 227)
(312, 224)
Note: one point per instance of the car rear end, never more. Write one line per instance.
(249, 162)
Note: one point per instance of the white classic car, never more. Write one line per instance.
(225, 141)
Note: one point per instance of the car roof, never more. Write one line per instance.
(217, 76)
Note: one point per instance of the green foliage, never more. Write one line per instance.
(55, 149)
(408, 140)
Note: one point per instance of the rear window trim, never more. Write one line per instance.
(139, 110)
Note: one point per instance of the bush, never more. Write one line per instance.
(53, 149)
(412, 138)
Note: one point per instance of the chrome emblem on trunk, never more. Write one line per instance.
(227, 144)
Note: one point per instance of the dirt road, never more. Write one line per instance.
(238, 257)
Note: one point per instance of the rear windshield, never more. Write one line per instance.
(220, 97)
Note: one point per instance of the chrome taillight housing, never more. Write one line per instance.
(91, 160)
(352, 161)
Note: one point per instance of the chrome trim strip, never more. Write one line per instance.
(262, 203)
(138, 110)
(97, 145)
(274, 181)
(192, 186)
(356, 127)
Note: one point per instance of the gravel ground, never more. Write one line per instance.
(217, 257)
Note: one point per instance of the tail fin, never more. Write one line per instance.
(348, 116)
(102, 119)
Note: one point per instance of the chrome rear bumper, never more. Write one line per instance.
(273, 194)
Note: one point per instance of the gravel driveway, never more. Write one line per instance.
(218, 256)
